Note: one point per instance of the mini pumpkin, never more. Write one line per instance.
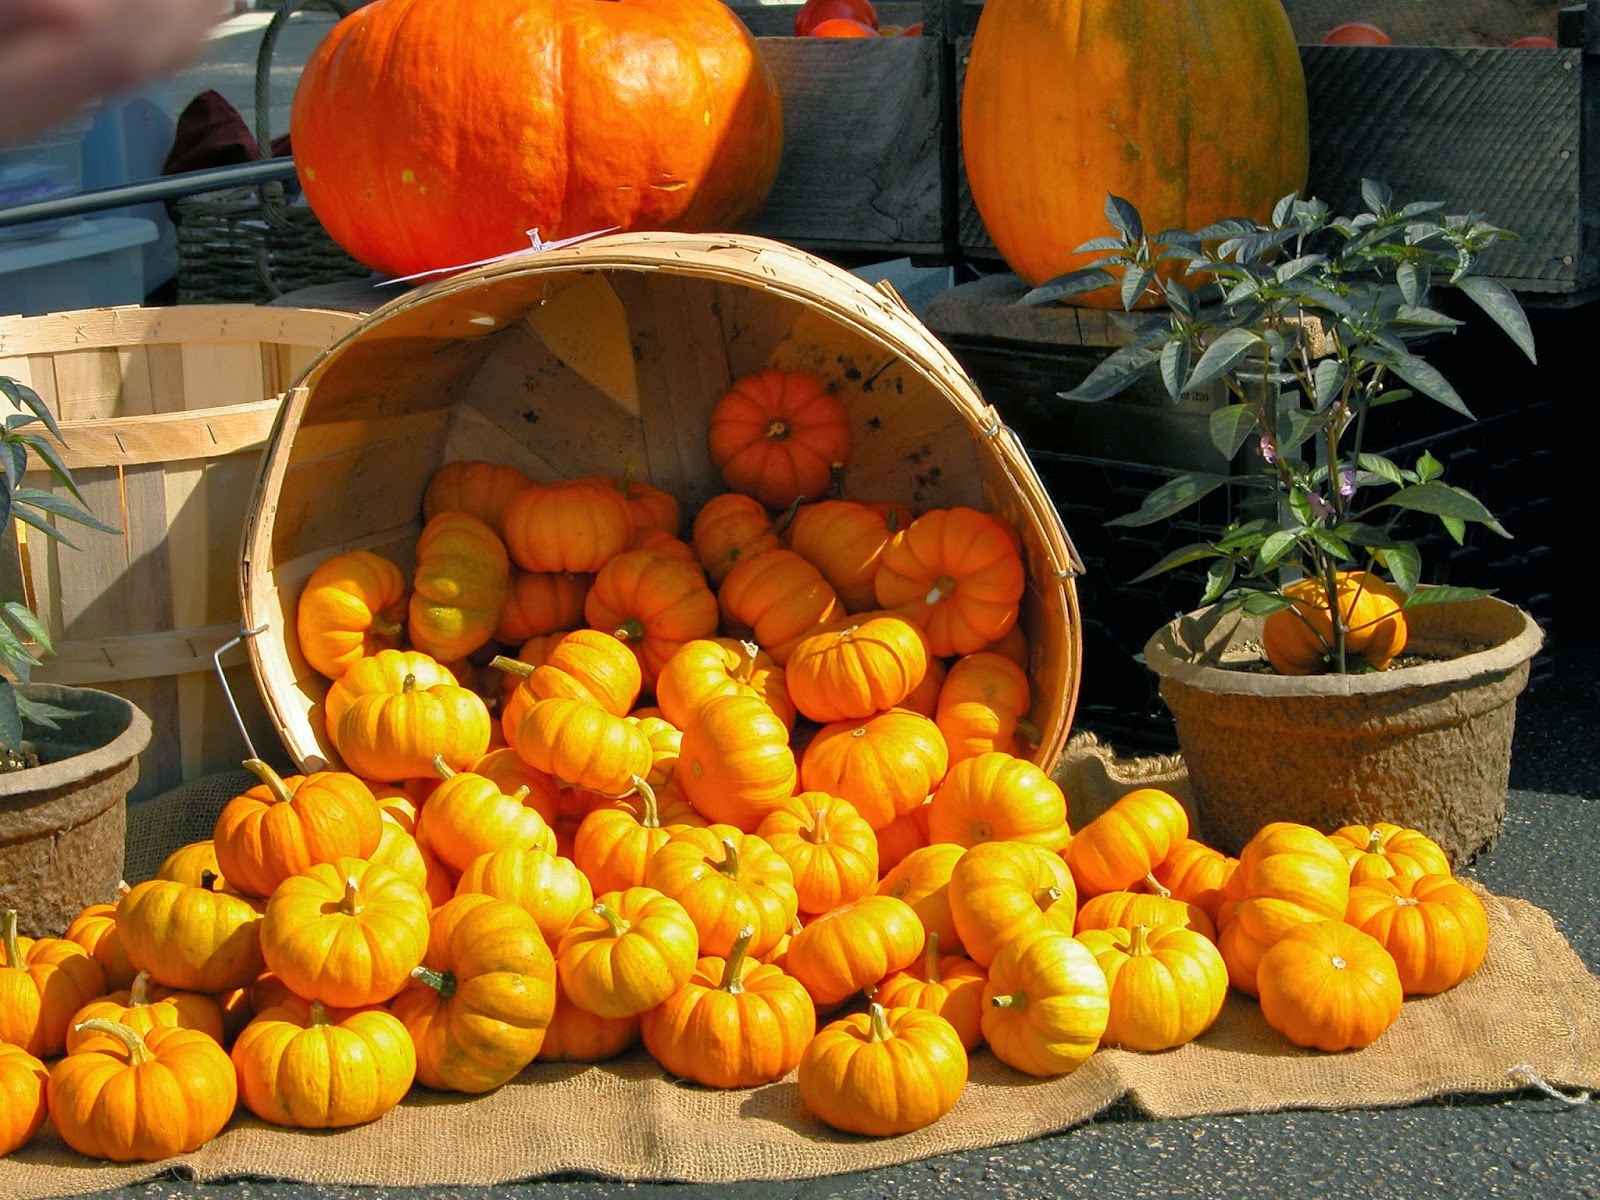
(462, 579)
(779, 599)
(571, 526)
(631, 951)
(726, 879)
(132, 1098)
(653, 605)
(391, 735)
(831, 850)
(550, 888)
(95, 929)
(735, 764)
(1167, 984)
(474, 486)
(142, 1007)
(958, 574)
(1002, 892)
(468, 815)
(845, 539)
(43, 983)
(1329, 986)
(1299, 640)
(1047, 1004)
(304, 1065)
(854, 947)
(883, 1072)
(779, 435)
(886, 765)
(577, 1035)
(948, 984)
(194, 939)
(1127, 841)
(23, 1079)
(728, 529)
(353, 605)
(996, 796)
(1433, 926)
(1385, 850)
(983, 704)
(736, 1022)
(863, 668)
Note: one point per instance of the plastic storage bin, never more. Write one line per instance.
(91, 264)
(47, 167)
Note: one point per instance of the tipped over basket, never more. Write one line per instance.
(607, 357)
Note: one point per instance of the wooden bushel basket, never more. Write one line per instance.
(606, 357)
(164, 412)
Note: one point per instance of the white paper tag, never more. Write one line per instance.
(536, 245)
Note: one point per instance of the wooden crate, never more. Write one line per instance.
(164, 412)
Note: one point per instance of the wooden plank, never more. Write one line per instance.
(861, 131)
(166, 437)
(179, 325)
(90, 662)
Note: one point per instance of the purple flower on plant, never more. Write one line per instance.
(1347, 482)
(1321, 509)
(1269, 453)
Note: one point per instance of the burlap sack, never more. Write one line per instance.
(1532, 1010)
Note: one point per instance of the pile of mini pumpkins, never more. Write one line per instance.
(759, 799)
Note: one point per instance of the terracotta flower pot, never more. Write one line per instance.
(63, 823)
(1425, 746)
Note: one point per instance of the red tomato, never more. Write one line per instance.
(1356, 33)
(840, 27)
(813, 12)
(1543, 43)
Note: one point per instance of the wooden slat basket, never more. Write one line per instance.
(164, 412)
(606, 357)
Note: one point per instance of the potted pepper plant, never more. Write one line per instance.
(1321, 680)
(68, 755)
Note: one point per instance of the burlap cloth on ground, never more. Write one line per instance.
(1533, 1006)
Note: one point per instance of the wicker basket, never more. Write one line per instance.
(607, 357)
(164, 412)
(253, 247)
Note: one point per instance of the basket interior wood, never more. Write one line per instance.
(588, 361)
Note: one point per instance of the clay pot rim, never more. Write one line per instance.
(1515, 635)
(67, 772)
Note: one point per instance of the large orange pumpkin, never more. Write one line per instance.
(563, 116)
(1192, 109)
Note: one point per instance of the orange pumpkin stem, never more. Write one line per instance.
(275, 784)
(787, 518)
(1139, 941)
(817, 834)
(941, 590)
(350, 902)
(778, 429)
(1375, 842)
(408, 684)
(879, 1021)
(511, 666)
(629, 631)
(139, 990)
(1045, 897)
(319, 1014)
(1014, 1000)
(747, 669)
(442, 768)
(8, 940)
(209, 880)
(650, 818)
(733, 968)
(385, 627)
(1029, 732)
(610, 917)
(138, 1049)
(440, 981)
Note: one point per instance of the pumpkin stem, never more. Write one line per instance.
(891, 519)
(521, 794)
(817, 833)
(1014, 1000)
(778, 429)
(1156, 886)
(650, 818)
(350, 902)
(319, 1014)
(440, 981)
(385, 627)
(408, 685)
(209, 880)
(1139, 941)
(846, 635)
(733, 969)
(139, 990)
(880, 1023)
(442, 768)
(1029, 732)
(1045, 897)
(612, 918)
(729, 865)
(930, 957)
(941, 590)
(631, 630)
(138, 1048)
(8, 939)
(511, 666)
(747, 668)
(1375, 842)
(275, 784)
(787, 518)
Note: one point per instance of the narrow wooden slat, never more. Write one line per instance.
(184, 324)
(166, 437)
(753, 322)
(89, 662)
(861, 127)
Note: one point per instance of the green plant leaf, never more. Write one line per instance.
(10, 717)
(51, 503)
(1179, 299)
(1223, 355)
(1174, 366)
(1115, 373)
(1380, 466)
(1426, 379)
(1456, 528)
(1444, 594)
(52, 459)
(1230, 427)
(1101, 245)
(1181, 557)
(1275, 547)
(24, 396)
(1503, 307)
(1327, 381)
(1219, 577)
(1135, 282)
(1413, 281)
(1428, 468)
(34, 520)
(1171, 497)
(14, 457)
(1264, 604)
(48, 716)
(23, 618)
(1075, 283)
(1332, 543)
(16, 657)
(1440, 499)
(1404, 564)
(1124, 218)
(1372, 537)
